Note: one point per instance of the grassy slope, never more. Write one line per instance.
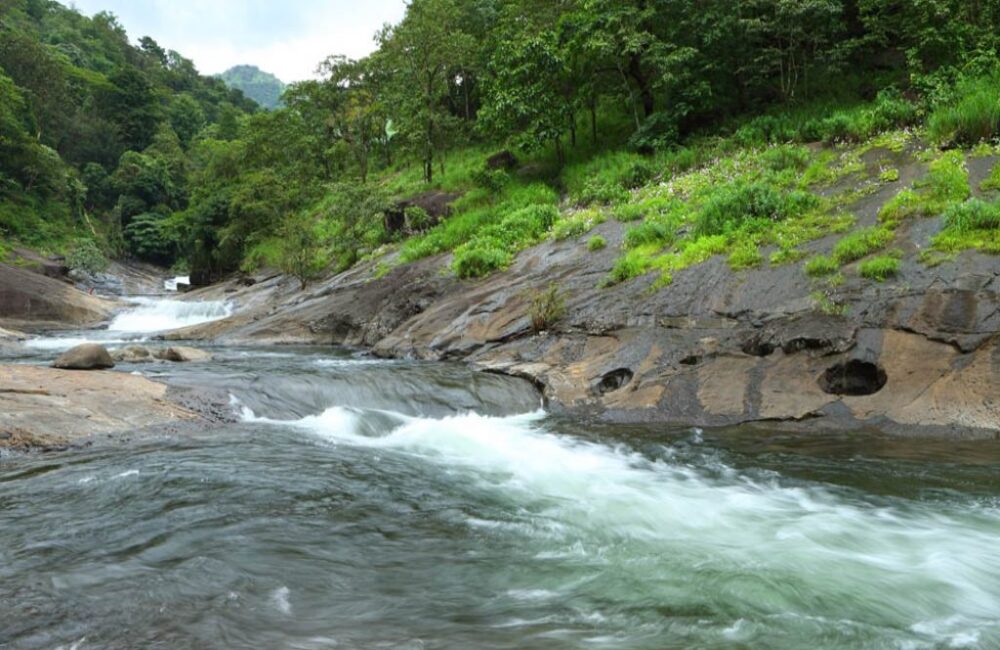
(753, 202)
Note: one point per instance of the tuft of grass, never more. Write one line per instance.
(992, 182)
(880, 268)
(576, 224)
(890, 175)
(596, 243)
(947, 183)
(862, 243)
(821, 266)
(752, 206)
(547, 308)
(973, 116)
(746, 255)
(973, 225)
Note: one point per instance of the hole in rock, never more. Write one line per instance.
(614, 380)
(757, 348)
(855, 377)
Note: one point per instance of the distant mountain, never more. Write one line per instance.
(262, 87)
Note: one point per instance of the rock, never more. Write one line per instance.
(132, 354)
(181, 354)
(29, 300)
(88, 356)
(43, 408)
(435, 203)
(501, 160)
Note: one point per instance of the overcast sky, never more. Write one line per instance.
(285, 37)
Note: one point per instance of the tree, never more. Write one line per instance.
(301, 250)
(131, 103)
(422, 53)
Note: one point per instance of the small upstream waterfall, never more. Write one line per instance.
(160, 315)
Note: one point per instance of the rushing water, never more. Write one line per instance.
(363, 503)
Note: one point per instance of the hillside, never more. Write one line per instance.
(262, 87)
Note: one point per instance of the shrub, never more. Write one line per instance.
(974, 214)
(821, 266)
(749, 204)
(786, 157)
(657, 132)
(880, 268)
(547, 308)
(992, 182)
(84, 254)
(746, 255)
(596, 243)
(649, 232)
(974, 116)
(480, 257)
(861, 243)
(417, 219)
(491, 180)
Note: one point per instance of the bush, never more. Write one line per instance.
(861, 243)
(546, 308)
(492, 180)
(786, 157)
(658, 132)
(821, 266)
(880, 268)
(974, 214)
(480, 257)
(596, 243)
(85, 255)
(649, 232)
(749, 205)
(417, 219)
(746, 255)
(149, 238)
(971, 118)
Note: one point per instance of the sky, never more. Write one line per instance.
(287, 38)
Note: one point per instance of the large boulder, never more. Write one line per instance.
(88, 356)
(502, 160)
(435, 204)
(181, 354)
(30, 300)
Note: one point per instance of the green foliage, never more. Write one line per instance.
(577, 223)
(650, 232)
(86, 255)
(861, 243)
(784, 157)
(596, 243)
(752, 206)
(973, 115)
(546, 308)
(947, 183)
(606, 178)
(992, 182)
(480, 257)
(821, 266)
(879, 268)
(150, 238)
(746, 255)
(974, 224)
(301, 250)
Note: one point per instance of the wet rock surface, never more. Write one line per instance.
(917, 355)
(46, 408)
(88, 356)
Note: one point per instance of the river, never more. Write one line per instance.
(365, 503)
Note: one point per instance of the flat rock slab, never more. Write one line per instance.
(45, 407)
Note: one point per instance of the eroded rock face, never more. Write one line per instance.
(45, 408)
(88, 356)
(29, 300)
(918, 355)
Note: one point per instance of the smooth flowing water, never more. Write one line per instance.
(362, 503)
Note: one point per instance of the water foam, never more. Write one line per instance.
(155, 315)
(770, 546)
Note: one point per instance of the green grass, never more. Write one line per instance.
(862, 243)
(879, 268)
(946, 184)
(596, 243)
(576, 224)
(745, 255)
(973, 116)
(973, 225)
(992, 182)
(821, 266)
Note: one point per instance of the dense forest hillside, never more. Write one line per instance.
(596, 105)
(262, 87)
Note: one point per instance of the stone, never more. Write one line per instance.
(182, 354)
(88, 356)
(132, 354)
(502, 160)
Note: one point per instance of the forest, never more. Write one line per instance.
(115, 148)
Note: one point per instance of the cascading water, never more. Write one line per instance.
(160, 315)
(368, 503)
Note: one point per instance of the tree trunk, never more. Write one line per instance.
(642, 81)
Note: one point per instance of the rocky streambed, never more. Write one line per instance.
(310, 495)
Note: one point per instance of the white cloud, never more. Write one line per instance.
(286, 37)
